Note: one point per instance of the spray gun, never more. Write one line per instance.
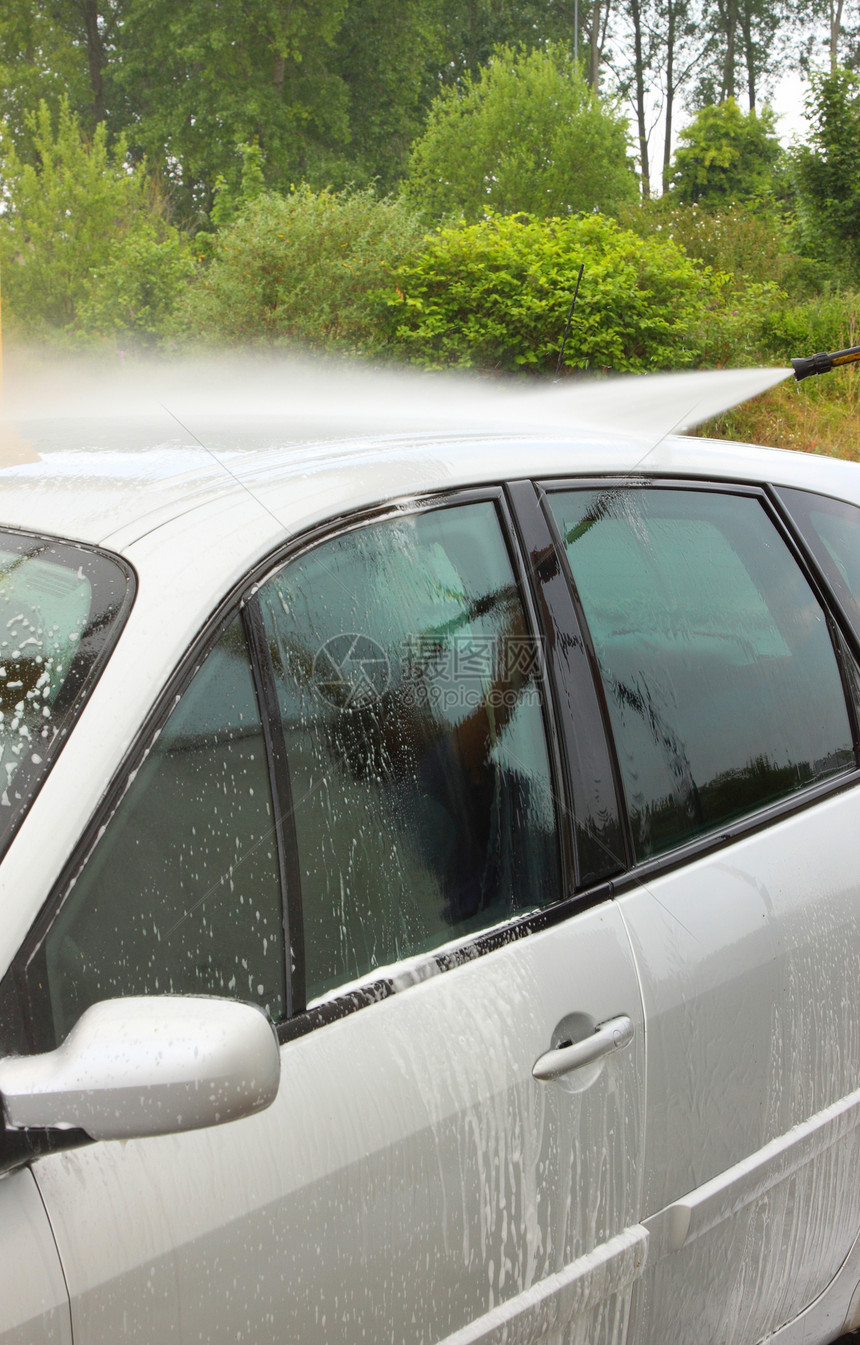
(824, 362)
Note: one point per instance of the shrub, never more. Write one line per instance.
(311, 268)
(495, 295)
(86, 247)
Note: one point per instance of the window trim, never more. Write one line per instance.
(574, 675)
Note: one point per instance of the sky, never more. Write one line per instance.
(788, 102)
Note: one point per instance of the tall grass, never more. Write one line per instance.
(819, 415)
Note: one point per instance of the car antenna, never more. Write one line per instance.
(567, 324)
(823, 362)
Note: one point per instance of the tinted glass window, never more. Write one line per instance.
(181, 894)
(832, 530)
(420, 779)
(718, 664)
(60, 608)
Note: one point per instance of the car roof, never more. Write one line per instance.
(293, 447)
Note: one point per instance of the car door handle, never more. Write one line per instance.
(606, 1038)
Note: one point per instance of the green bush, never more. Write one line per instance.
(495, 295)
(829, 322)
(309, 268)
(86, 248)
(134, 297)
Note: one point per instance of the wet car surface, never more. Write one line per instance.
(513, 779)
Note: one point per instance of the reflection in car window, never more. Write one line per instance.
(722, 682)
(414, 731)
(59, 607)
(181, 894)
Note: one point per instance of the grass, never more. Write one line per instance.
(819, 415)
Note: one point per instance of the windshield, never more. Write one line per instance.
(61, 607)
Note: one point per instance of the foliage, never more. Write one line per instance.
(526, 135)
(473, 29)
(495, 295)
(230, 197)
(828, 171)
(726, 156)
(39, 60)
(746, 41)
(309, 267)
(85, 236)
(388, 57)
(743, 242)
(200, 80)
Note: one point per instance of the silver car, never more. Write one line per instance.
(430, 885)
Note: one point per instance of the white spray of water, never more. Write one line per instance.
(327, 399)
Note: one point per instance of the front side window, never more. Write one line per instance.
(410, 700)
(721, 678)
(181, 894)
(61, 606)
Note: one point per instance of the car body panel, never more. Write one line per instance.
(33, 1297)
(411, 1177)
(745, 955)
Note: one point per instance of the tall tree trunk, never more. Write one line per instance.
(472, 58)
(749, 52)
(835, 30)
(639, 77)
(594, 45)
(89, 10)
(728, 11)
(597, 40)
(670, 91)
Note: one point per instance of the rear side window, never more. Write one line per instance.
(831, 529)
(411, 707)
(723, 686)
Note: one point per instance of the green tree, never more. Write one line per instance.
(747, 41)
(726, 155)
(201, 80)
(828, 172)
(389, 58)
(526, 135)
(473, 29)
(39, 59)
(85, 245)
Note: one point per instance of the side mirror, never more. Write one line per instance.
(152, 1065)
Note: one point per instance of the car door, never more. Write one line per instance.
(354, 815)
(728, 689)
(35, 1302)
